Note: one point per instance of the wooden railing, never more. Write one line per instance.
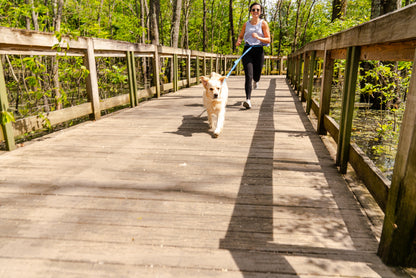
(388, 38)
(22, 42)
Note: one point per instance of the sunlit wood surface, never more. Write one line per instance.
(148, 192)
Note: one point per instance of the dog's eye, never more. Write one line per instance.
(211, 89)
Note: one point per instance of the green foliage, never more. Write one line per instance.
(121, 20)
(6, 117)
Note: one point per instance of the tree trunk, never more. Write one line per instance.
(58, 6)
(154, 22)
(34, 16)
(185, 32)
(231, 25)
(176, 22)
(27, 17)
(381, 7)
(306, 22)
(144, 23)
(99, 13)
(295, 34)
(204, 27)
(339, 7)
(212, 25)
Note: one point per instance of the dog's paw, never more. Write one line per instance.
(216, 134)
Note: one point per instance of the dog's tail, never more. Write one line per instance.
(202, 113)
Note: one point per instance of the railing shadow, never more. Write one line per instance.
(251, 224)
(249, 237)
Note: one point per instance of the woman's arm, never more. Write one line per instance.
(241, 35)
(266, 33)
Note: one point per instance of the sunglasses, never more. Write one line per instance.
(255, 10)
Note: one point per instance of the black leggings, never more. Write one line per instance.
(253, 64)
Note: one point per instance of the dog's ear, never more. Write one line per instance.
(204, 80)
(222, 78)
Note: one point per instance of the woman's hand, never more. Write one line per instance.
(238, 42)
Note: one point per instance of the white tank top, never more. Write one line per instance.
(250, 29)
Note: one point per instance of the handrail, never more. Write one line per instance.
(391, 37)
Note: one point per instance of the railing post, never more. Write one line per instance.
(397, 243)
(288, 68)
(92, 80)
(211, 65)
(298, 72)
(131, 69)
(312, 63)
(348, 98)
(175, 72)
(225, 65)
(197, 73)
(188, 70)
(269, 65)
(292, 70)
(326, 89)
(7, 127)
(204, 66)
(305, 77)
(156, 70)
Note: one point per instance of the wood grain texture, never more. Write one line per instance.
(147, 192)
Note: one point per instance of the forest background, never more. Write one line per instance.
(205, 25)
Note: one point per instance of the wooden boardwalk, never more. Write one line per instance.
(147, 192)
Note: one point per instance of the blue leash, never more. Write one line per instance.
(239, 59)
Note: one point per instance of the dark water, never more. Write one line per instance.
(376, 132)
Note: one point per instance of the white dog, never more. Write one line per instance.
(215, 99)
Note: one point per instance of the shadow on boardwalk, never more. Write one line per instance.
(250, 236)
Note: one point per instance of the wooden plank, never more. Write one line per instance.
(397, 240)
(395, 26)
(130, 73)
(204, 66)
(92, 80)
(175, 72)
(305, 78)
(197, 70)
(5, 123)
(395, 51)
(36, 40)
(315, 107)
(347, 108)
(109, 103)
(156, 72)
(34, 123)
(299, 74)
(312, 64)
(188, 71)
(376, 182)
(326, 89)
(134, 78)
(332, 127)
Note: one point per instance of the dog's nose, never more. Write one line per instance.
(215, 95)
